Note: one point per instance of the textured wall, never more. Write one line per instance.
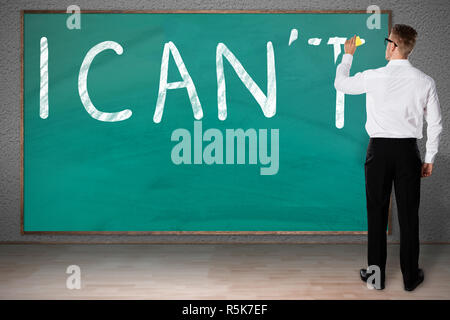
(431, 55)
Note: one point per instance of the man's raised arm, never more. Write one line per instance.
(346, 84)
(343, 82)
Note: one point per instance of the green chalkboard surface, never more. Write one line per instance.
(193, 122)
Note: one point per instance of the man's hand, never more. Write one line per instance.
(350, 45)
(427, 168)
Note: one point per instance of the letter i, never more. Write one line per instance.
(43, 112)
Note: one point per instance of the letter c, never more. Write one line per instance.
(82, 84)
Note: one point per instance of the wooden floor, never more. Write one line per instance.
(211, 271)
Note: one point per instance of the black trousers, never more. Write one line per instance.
(394, 160)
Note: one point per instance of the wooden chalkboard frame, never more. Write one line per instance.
(23, 232)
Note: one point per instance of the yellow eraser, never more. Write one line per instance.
(358, 41)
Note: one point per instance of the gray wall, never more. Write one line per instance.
(431, 55)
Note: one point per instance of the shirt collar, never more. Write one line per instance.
(399, 62)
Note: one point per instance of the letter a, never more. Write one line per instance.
(186, 83)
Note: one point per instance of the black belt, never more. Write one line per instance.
(393, 139)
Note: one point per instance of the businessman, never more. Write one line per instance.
(398, 97)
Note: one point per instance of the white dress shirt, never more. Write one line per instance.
(398, 97)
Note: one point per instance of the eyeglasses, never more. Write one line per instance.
(389, 40)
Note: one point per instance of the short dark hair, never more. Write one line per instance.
(406, 38)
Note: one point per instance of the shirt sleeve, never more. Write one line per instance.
(346, 84)
(433, 117)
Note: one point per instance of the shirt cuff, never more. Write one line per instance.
(429, 158)
(347, 58)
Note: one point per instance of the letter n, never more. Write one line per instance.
(267, 103)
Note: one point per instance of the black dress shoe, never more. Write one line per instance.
(364, 277)
(417, 282)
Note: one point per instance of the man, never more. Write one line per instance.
(398, 96)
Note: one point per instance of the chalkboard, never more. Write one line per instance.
(198, 122)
